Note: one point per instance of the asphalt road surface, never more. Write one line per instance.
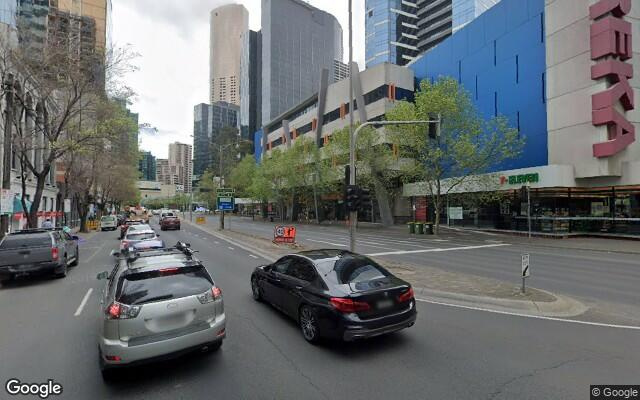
(451, 353)
(592, 276)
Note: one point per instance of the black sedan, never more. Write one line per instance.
(336, 294)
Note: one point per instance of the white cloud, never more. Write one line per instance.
(173, 41)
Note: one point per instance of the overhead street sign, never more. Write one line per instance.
(227, 192)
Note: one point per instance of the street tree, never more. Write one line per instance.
(54, 96)
(467, 148)
(375, 164)
(242, 176)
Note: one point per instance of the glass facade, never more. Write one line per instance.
(147, 166)
(465, 11)
(8, 9)
(250, 91)
(207, 122)
(298, 41)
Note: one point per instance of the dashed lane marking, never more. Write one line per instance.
(400, 252)
(252, 256)
(83, 302)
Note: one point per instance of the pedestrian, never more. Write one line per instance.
(47, 224)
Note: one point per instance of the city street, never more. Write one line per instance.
(50, 327)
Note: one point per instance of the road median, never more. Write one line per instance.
(435, 284)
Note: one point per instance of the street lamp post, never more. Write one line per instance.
(222, 147)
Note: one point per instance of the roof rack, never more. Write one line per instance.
(132, 254)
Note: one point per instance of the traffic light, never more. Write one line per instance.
(364, 199)
(351, 198)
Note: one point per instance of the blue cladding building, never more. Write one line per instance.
(499, 58)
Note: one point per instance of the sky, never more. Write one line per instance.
(172, 40)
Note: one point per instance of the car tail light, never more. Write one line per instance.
(168, 271)
(406, 296)
(122, 311)
(125, 244)
(54, 253)
(348, 305)
(113, 358)
(210, 295)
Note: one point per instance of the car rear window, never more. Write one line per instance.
(358, 269)
(164, 284)
(17, 241)
(141, 236)
(108, 218)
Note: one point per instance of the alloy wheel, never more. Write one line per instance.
(308, 324)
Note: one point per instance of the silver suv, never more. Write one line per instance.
(158, 304)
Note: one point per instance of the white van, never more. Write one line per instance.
(108, 222)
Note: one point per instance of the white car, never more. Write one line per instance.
(135, 236)
(108, 222)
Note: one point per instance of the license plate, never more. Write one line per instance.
(385, 303)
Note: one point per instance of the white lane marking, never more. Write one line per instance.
(230, 248)
(83, 302)
(216, 242)
(252, 256)
(513, 314)
(388, 253)
(96, 252)
(332, 244)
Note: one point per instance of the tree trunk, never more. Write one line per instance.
(382, 196)
(83, 211)
(32, 217)
(438, 205)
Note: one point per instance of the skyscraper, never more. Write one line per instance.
(250, 89)
(208, 120)
(397, 31)
(147, 166)
(391, 32)
(181, 166)
(298, 41)
(228, 26)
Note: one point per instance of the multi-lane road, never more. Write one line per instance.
(48, 331)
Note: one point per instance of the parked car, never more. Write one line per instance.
(336, 294)
(158, 304)
(127, 223)
(136, 235)
(108, 222)
(167, 213)
(170, 222)
(37, 251)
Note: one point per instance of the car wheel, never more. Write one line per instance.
(6, 279)
(63, 273)
(309, 324)
(77, 259)
(255, 289)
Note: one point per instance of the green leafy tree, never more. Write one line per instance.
(242, 176)
(466, 149)
(376, 165)
(207, 188)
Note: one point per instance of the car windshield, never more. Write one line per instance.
(141, 236)
(165, 284)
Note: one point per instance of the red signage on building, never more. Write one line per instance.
(610, 48)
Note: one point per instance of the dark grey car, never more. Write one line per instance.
(37, 251)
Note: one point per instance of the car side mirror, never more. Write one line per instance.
(115, 253)
(103, 275)
(157, 235)
(75, 237)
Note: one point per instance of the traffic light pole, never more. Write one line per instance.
(353, 215)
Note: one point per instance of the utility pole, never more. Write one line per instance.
(353, 215)
(528, 213)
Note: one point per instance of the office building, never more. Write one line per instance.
(163, 172)
(434, 21)
(181, 166)
(8, 10)
(339, 71)
(95, 10)
(298, 41)
(250, 89)
(228, 25)
(524, 60)
(465, 11)
(391, 32)
(327, 110)
(147, 166)
(208, 120)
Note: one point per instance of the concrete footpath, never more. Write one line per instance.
(434, 284)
